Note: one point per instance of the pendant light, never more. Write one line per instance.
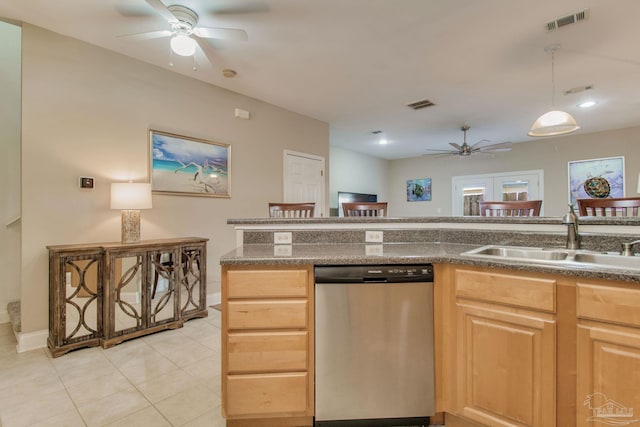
(554, 122)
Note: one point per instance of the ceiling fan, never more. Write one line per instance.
(468, 150)
(184, 30)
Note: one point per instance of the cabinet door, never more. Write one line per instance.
(506, 367)
(608, 375)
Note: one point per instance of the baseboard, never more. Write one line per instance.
(32, 340)
(213, 299)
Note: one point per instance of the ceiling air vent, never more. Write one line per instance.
(568, 20)
(578, 89)
(421, 104)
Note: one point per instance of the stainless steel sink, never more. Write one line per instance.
(514, 252)
(608, 260)
(557, 256)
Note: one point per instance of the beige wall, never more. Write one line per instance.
(87, 111)
(9, 166)
(357, 173)
(550, 155)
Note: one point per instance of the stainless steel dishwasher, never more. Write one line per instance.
(374, 345)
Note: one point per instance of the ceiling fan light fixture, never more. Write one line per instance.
(183, 45)
(553, 123)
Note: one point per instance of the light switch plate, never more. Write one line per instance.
(372, 236)
(282, 238)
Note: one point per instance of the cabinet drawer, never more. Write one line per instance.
(616, 304)
(272, 314)
(267, 283)
(266, 394)
(529, 292)
(267, 351)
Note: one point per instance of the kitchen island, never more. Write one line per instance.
(517, 343)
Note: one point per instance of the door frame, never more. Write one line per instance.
(320, 210)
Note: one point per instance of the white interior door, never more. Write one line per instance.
(304, 179)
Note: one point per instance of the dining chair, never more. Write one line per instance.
(291, 210)
(621, 206)
(512, 208)
(365, 209)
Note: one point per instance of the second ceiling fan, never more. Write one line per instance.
(465, 149)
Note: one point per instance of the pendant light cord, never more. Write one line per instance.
(553, 79)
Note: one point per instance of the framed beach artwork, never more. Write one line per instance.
(419, 190)
(596, 179)
(186, 166)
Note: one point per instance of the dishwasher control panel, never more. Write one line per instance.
(391, 273)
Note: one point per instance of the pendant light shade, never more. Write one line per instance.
(554, 122)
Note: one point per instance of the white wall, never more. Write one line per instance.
(87, 111)
(358, 173)
(550, 155)
(9, 166)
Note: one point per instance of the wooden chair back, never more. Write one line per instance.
(622, 206)
(291, 210)
(512, 208)
(365, 209)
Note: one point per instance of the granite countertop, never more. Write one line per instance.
(405, 253)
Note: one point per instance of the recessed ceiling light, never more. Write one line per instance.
(587, 104)
(383, 141)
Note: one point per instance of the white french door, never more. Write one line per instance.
(468, 190)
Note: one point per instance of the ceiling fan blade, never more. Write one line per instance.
(209, 54)
(435, 152)
(502, 146)
(482, 141)
(163, 10)
(147, 36)
(221, 33)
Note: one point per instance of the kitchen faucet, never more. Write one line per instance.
(571, 220)
(627, 248)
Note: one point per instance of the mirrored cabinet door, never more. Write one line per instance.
(163, 303)
(192, 287)
(125, 293)
(75, 300)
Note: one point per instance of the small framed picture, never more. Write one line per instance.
(419, 190)
(186, 166)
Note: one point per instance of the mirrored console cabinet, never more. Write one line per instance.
(105, 293)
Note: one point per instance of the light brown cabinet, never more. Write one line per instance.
(105, 293)
(608, 356)
(505, 348)
(267, 345)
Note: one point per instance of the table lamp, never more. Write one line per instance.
(130, 197)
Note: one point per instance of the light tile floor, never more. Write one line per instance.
(170, 378)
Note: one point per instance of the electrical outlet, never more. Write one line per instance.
(374, 250)
(373, 236)
(282, 238)
(282, 250)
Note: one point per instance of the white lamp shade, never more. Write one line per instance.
(130, 195)
(183, 45)
(553, 123)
